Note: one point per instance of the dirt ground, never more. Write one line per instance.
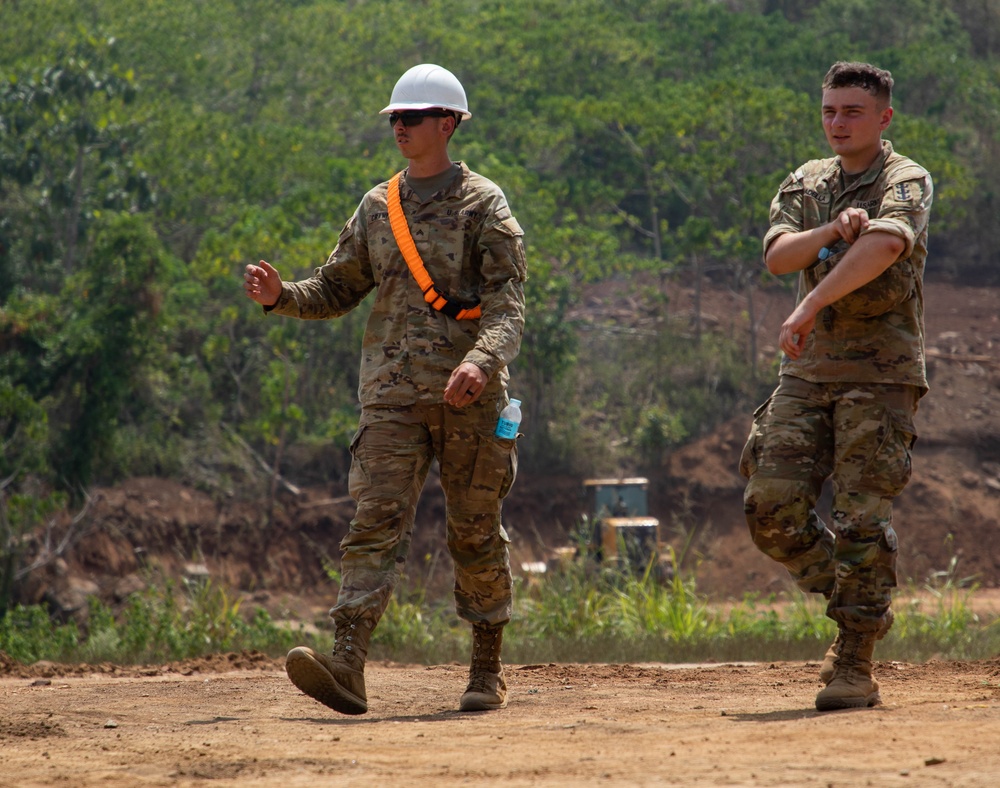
(237, 721)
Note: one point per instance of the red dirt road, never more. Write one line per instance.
(567, 725)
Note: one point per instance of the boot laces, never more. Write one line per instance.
(881, 632)
(344, 647)
(485, 656)
(480, 681)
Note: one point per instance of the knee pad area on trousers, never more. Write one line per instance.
(780, 514)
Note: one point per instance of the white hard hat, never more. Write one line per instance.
(427, 87)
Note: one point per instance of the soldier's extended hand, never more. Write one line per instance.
(465, 385)
(851, 223)
(795, 330)
(262, 283)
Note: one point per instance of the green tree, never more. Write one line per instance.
(66, 155)
(25, 500)
(96, 346)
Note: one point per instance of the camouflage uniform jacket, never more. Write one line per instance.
(472, 248)
(876, 333)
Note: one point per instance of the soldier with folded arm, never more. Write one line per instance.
(854, 229)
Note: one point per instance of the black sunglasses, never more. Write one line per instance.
(416, 117)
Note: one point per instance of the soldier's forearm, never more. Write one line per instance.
(868, 257)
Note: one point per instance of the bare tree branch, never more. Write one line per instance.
(48, 554)
(265, 466)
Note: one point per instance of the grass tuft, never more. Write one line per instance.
(577, 614)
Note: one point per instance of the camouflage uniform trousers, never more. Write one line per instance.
(392, 453)
(858, 435)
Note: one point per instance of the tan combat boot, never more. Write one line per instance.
(337, 681)
(853, 686)
(487, 688)
(826, 668)
(829, 658)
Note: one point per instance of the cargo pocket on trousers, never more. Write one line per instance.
(495, 469)
(357, 477)
(889, 469)
(748, 459)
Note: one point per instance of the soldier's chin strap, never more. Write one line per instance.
(401, 230)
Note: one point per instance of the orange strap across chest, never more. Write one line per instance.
(432, 295)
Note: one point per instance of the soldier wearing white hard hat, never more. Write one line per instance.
(439, 245)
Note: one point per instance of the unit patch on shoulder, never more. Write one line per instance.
(910, 192)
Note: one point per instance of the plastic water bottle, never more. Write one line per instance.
(510, 420)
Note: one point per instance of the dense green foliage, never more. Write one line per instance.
(150, 149)
(154, 626)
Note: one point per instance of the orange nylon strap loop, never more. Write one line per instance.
(401, 231)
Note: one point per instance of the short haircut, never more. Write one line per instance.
(872, 79)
